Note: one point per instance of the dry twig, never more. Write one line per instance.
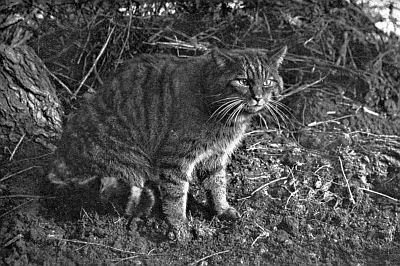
(97, 244)
(16, 207)
(19, 172)
(347, 182)
(263, 186)
(94, 63)
(380, 194)
(209, 256)
(16, 147)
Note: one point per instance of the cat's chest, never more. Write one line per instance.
(217, 152)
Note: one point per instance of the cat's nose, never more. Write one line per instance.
(260, 101)
(257, 101)
(258, 98)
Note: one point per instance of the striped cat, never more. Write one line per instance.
(158, 120)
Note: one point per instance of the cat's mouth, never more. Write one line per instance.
(255, 108)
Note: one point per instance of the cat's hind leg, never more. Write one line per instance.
(138, 201)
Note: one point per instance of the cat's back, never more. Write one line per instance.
(136, 109)
(148, 67)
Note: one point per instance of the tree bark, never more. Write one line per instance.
(28, 102)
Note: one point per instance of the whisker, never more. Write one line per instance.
(263, 121)
(226, 99)
(283, 116)
(233, 116)
(282, 106)
(273, 114)
(278, 106)
(219, 109)
(240, 108)
(224, 109)
(280, 115)
(229, 107)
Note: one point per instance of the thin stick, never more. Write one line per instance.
(16, 147)
(374, 135)
(209, 256)
(258, 177)
(94, 63)
(25, 196)
(17, 173)
(58, 80)
(16, 207)
(262, 187)
(301, 88)
(380, 194)
(347, 181)
(96, 244)
(135, 256)
(127, 34)
(30, 158)
(313, 124)
(264, 233)
(14, 239)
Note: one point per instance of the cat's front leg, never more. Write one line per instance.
(174, 189)
(216, 184)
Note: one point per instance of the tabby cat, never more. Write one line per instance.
(161, 118)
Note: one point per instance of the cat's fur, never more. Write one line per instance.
(159, 119)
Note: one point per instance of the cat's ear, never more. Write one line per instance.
(219, 57)
(278, 57)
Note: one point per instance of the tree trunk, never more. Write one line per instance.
(28, 102)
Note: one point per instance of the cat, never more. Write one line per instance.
(158, 120)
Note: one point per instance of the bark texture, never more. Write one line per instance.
(28, 102)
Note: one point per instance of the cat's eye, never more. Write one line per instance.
(242, 82)
(269, 83)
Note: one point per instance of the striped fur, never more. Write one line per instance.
(160, 118)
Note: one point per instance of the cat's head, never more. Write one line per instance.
(246, 82)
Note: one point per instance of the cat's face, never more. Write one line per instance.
(249, 82)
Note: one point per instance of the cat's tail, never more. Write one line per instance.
(61, 177)
(139, 200)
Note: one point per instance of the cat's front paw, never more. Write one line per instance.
(179, 233)
(230, 214)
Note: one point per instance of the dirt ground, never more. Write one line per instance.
(320, 189)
